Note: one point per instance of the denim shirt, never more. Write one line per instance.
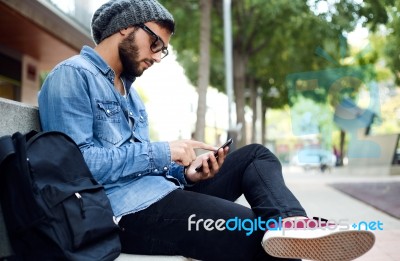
(78, 98)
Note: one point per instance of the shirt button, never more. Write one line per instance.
(130, 113)
(139, 175)
(108, 111)
(165, 168)
(155, 170)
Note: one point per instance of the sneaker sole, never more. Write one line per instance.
(343, 245)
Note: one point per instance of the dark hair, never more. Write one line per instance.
(166, 24)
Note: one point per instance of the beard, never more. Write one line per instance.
(129, 56)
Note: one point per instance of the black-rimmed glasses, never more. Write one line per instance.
(158, 44)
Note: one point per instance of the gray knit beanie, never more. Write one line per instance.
(119, 14)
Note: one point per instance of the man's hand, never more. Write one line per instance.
(183, 151)
(210, 164)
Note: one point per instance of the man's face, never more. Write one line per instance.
(134, 50)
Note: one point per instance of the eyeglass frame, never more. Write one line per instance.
(163, 49)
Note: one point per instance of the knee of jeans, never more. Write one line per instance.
(255, 147)
(260, 151)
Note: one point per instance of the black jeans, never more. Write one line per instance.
(184, 222)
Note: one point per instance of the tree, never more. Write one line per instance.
(252, 52)
(393, 39)
(271, 40)
(371, 14)
(204, 67)
(258, 26)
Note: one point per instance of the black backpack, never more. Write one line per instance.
(52, 206)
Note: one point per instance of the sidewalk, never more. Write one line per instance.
(321, 200)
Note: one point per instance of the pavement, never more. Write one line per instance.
(319, 199)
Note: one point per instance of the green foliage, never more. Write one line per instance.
(393, 40)
(374, 12)
(282, 37)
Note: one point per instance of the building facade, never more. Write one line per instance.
(35, 36)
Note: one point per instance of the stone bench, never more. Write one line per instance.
(16, 116)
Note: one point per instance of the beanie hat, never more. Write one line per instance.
(119, 14)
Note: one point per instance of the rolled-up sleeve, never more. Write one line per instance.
(178, 172)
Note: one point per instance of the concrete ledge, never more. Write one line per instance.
(16, 116)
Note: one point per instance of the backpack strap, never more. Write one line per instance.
(6, 148)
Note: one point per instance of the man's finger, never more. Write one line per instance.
(201, 145)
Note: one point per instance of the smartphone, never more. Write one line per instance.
(227, 143)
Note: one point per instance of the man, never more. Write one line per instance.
(163, 205)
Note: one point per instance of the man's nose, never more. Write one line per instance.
(156, 57)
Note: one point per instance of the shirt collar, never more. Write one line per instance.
(99, 62)
(89, 53)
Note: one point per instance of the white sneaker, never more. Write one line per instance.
(325, 242)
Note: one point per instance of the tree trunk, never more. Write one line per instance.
(341, 149)
(264, 128)
(239, 76)
(204, 68)
(253, 103)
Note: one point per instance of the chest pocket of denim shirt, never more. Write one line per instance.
(108, 121)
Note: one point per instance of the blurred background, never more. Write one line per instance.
(316, 81)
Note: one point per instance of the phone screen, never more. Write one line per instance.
(227, 143)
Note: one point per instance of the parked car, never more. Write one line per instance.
(314, 158)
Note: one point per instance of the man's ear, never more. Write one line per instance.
(124, 31)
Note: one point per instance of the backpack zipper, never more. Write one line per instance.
(79, 197)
